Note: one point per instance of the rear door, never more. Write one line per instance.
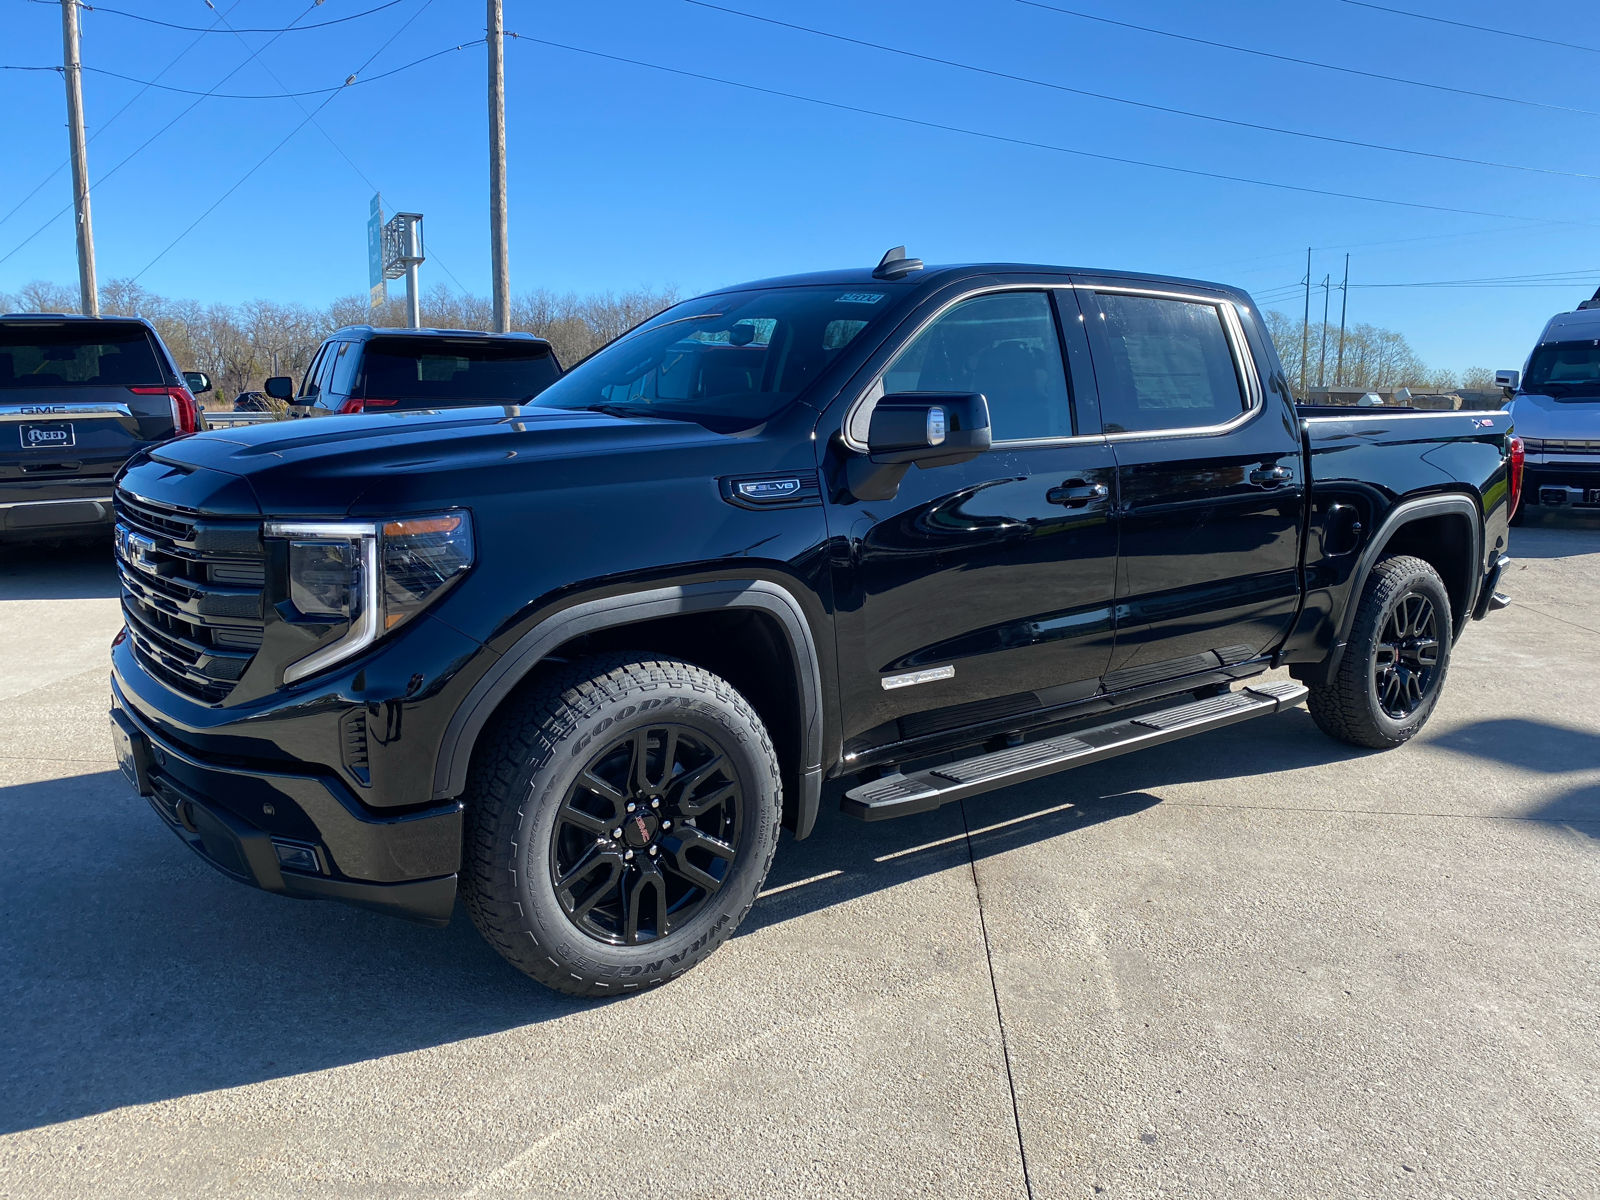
(78, 397)
(1208, 476)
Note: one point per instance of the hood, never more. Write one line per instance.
(322, 466)
(1537, 416)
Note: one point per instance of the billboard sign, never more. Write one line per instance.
(378, 290)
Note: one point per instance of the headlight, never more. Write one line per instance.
(372, 575)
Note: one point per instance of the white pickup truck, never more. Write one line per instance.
(1556, 411)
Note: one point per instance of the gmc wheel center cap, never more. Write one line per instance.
(639, 830)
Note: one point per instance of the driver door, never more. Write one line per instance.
(983, 589)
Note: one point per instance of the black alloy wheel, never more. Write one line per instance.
(1392, 670)
(1405, 658)
(646, 834)
(621, 814)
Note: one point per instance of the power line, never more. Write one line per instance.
(1016, 141)
(239, 36)
(263, 161)
(117, 12)
(1527, 37)
(350, 82)
(1306, 62)
(140, 148)
(106, 124)
(1162, 108)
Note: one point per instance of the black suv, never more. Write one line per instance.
(78, 397)
(361, 368)
(937, 530)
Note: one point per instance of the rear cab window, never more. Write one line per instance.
(1162, 362)
(419, 372)
(78, 355)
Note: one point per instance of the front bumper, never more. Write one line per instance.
(1574, 484)
(298, 835)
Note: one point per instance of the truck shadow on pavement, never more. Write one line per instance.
(73, 571)
(1542, 747)
(137, 974)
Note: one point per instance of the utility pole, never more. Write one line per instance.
(73, 71)
(498, 251)
(1322, 367)
(1305, 327)
(1344, 308)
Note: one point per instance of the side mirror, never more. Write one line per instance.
(279, 387)
(1507, 380)
(930, 429)
(199, 382)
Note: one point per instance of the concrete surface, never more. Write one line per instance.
(1257, 964)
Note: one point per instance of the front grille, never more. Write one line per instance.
(1559, 446)
(191, 594)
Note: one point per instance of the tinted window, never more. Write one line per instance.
(424, 372)
(725, 361)
(1004, 346)
(78, 355)
(344, 368)
(1565, 370)
(1162, 364)
(308, 381)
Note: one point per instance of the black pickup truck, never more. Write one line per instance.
(936, 531)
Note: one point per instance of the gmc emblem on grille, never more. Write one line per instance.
(135, 550)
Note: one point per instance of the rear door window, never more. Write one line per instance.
(1161, 363)
(424, 372)
(344, 368)
(77, 354)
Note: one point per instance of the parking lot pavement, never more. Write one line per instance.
(1255, 963)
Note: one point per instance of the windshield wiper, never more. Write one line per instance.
(631, 410)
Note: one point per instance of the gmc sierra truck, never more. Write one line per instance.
(933, 531)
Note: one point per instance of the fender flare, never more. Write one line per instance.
(461, 735)
(1402, 514)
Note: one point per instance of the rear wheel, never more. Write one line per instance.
(620, 820)
(1393, 669)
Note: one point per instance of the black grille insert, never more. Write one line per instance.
(191, 594)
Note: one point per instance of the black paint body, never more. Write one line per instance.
(1058, 577)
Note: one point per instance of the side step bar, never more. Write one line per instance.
(901, 795)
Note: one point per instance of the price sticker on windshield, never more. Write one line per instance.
(860, 298)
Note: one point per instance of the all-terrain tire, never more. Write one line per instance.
(530, 782)
(1349, 706)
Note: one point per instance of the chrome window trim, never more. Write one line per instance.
(876, 382)
(1243, 363)
(1233, 330)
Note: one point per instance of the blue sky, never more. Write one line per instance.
(622, 175)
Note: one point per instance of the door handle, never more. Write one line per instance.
(1271, 476)
(1077, 494)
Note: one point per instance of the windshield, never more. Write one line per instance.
(79, 354)
(1565, 370)
(726, 362)
(424, 372)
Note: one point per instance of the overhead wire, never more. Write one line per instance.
(285, 141)
(106, 124)
(117, 12)
(60, 212)
(1143, 104)
(1037, 145)
(322, 129)
(352, 82)
(1306, 62)
(1510, 33)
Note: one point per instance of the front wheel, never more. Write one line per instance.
(1389, 679)
(621, 818)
